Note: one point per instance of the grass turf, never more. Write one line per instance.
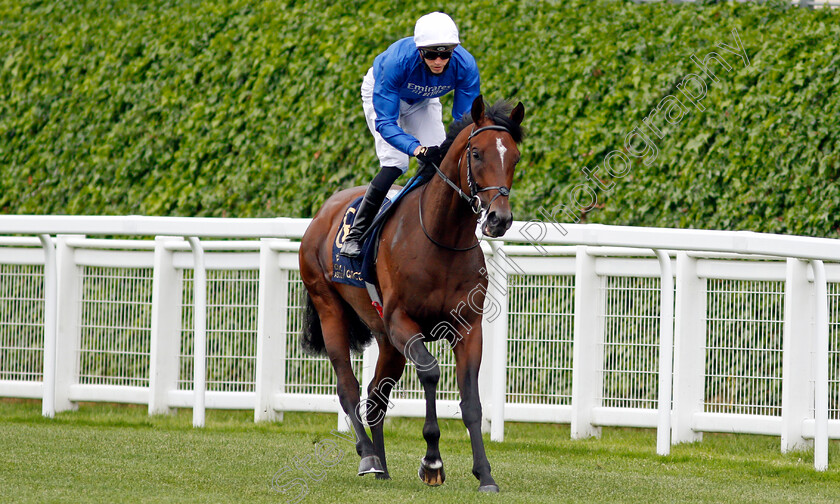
(116, 453)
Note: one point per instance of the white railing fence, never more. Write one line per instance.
(685, 331)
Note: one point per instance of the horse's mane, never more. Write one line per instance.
(499, 113)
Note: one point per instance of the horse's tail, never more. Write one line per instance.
(312, 337)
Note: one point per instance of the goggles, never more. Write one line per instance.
(432, 54)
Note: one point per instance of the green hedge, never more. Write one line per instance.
(251, 108)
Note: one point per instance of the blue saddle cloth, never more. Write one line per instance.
(358, 270)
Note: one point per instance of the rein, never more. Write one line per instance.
(473, 200)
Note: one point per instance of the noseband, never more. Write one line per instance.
(473, 200)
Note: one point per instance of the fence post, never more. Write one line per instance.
(199, 332)
(272, 314)
(486, 377)
(588, 352)
(50, 307)
(821, 368)
(796, 356)
(369, 357)
(342, 420)
(496, 372)
(68, 314)
(165, 342)
(666, 353)
(689, 349)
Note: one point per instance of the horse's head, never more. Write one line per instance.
(490, 157)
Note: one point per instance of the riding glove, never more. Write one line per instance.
(431, 154)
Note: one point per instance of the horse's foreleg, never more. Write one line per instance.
(338, 350)
(406, 336)
(467, 362)
(389, 370)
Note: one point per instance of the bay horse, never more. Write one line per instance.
(428, 264)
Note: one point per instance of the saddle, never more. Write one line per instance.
(361, 271)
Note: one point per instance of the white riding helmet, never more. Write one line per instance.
(435, 29)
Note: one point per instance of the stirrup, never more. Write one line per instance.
(351, 248)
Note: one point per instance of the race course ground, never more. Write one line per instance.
(116, 453)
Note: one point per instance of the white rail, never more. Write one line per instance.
(575, 303)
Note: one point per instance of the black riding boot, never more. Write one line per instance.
(364, 216)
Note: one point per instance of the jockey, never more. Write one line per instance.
(400, 98)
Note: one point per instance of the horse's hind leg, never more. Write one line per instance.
(336, 339)
(389, 370)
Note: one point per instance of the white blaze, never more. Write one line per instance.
(502, 149)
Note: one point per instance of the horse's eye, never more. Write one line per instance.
(475, 154)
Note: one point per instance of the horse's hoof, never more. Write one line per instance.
(432, 472)
(492, 488)
(370, 464)
(383, 476)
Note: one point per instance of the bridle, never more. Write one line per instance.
(473, 200)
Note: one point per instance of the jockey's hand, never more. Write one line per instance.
(431, 154)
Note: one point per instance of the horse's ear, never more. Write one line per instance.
(477, 111)
(518, 113)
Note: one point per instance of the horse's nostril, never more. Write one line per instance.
(492, 218)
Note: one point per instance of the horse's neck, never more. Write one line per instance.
(446, 216)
